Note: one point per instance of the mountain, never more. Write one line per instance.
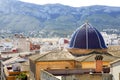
(54, 19)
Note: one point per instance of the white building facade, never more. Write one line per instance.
(115, 69)
(111, 39)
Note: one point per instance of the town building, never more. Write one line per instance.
(115, 69)
(13, 67)
(111, 39)
(87, 58)
(21, 43)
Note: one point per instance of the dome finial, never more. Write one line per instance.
(87, 22)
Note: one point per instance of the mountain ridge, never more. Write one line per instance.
(54, 19)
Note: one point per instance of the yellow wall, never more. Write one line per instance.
(92, 64)
(63, 64)
(88, 65)
(89, 77)
(106, 63)
(53, 65)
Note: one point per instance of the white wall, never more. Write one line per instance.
(22, 44)
(115, 70)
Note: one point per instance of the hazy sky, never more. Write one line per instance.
(77, 3)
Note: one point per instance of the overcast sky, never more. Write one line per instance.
(77, 3)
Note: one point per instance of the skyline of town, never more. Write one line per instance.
(53, 56)
(59, 42)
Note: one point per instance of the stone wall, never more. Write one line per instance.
(83, 77)
(47, 76)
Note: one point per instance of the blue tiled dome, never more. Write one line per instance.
(87, 37)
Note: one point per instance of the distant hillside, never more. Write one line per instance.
(54, 19)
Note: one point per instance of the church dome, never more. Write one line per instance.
(87, 38)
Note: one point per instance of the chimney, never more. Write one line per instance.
(99, 63)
